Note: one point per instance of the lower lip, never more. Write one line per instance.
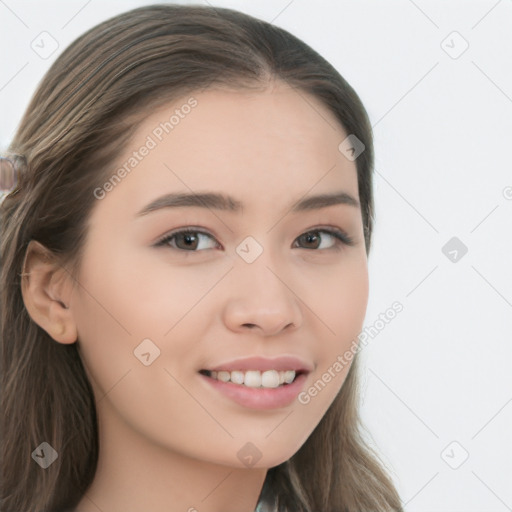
(259, 398)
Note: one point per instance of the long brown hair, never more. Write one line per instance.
(80, 118)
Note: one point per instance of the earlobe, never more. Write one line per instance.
(46, 288)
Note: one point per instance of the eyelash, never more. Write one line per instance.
(341, 238)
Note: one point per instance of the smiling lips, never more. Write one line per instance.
(254, 378)
(259, 372)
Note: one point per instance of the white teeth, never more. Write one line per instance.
(223, 376)
(255, 378)
(289, 375)
(237, 377)
(252, 379)
(270, 379)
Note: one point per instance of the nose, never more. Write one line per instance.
(261, 298)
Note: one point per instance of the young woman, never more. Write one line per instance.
(184, 275)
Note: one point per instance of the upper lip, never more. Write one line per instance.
(281, 363)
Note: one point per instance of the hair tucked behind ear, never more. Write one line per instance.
(80, 118)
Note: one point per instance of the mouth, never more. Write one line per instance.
(256, 378)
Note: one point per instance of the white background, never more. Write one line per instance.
(439, 372)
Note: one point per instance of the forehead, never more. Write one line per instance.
(255, 145)
(279, 115)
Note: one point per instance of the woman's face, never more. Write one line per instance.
(152, 311)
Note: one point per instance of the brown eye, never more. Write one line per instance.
(185, 240)
(313, 239)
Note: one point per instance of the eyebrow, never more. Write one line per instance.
(218, 201)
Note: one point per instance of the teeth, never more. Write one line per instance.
(252, 379)
(223, 376)
(255, 378)
(289, 375)
(270, 379)
(237, 377)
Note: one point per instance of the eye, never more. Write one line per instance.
(185, 239)
(312, 238)
(189, 239)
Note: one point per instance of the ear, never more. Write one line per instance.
(46, 288)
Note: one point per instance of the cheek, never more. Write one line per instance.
(109, 308)
(351, 309)
(341, 308)
(133, 292)
(126, 297)
(340, 304)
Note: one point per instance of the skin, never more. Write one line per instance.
(168, 441)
